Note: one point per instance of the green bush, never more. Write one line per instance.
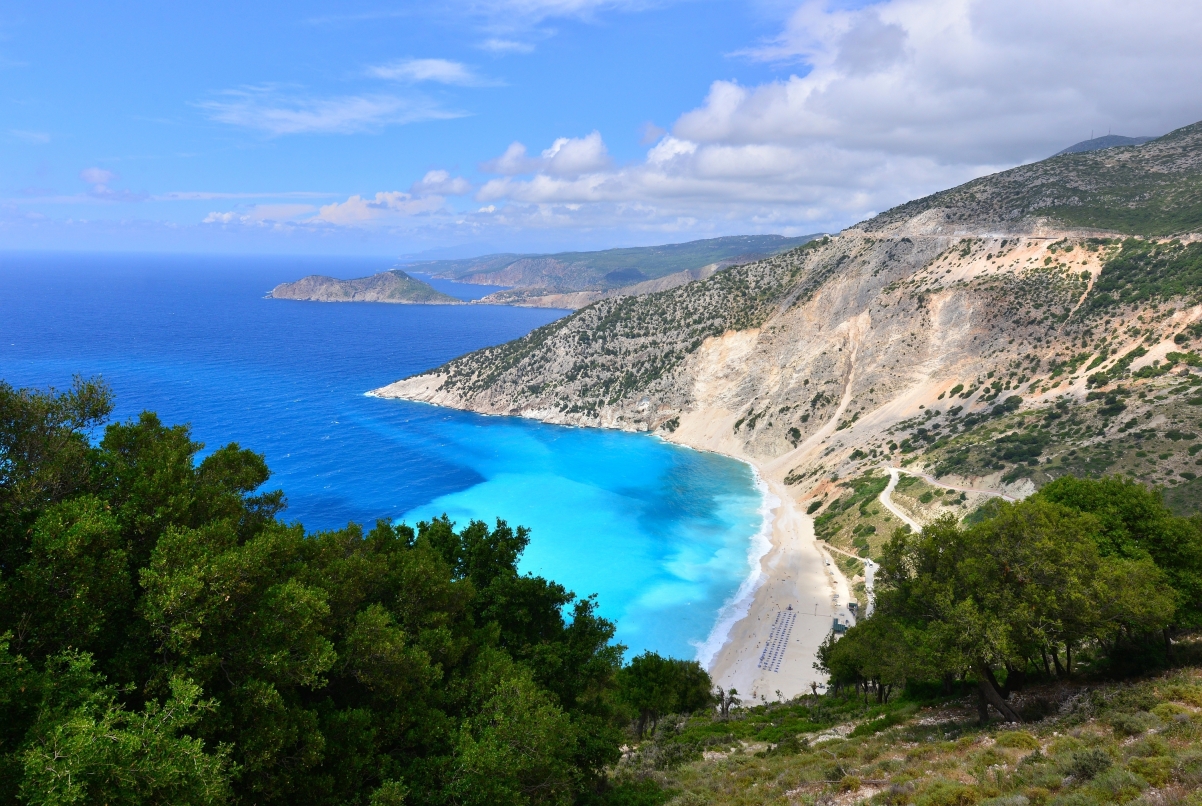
(1084, 765)
(1117, 785)
(1017, 739)
(1157, 770)
(948, 793)
(1133, 724)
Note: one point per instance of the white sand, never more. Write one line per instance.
(795, 572)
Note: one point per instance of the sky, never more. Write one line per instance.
(471, 126)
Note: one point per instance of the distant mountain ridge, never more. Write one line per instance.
(389, 286)
(1106, 141)
(608, 269)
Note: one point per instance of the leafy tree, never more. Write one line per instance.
(1135, 524)
(253, 661)
(993, 596)
(653, 685)
(87, 748)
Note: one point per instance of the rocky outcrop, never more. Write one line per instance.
(388, 286)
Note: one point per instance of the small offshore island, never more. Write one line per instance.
(387, 286)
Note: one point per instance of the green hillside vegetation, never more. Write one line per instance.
(1154, 190)
(625, 266)
(165, 637)
(1028, 616)
(1089, 743)
(625, 345)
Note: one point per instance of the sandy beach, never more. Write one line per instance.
(800, 590)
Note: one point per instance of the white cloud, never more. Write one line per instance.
(97, 176)
(100, 179)
(572, 156)
(385, 207)
(501, 45)
(514, 161)
(261, 214)
(439, 71)
(441, 182)
(887, 103)
(567, 156)
(266, 110)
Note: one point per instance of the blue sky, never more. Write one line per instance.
(395, 128)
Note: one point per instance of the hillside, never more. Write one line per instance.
(1089, 744)
(950, 350)
(1154, 189)
(996, 358)
(1106, 141)
(531, 277)
(387, 286)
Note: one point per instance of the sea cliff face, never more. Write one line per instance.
(388, 286)
(1000, 334)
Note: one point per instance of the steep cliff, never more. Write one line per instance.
(997, 334)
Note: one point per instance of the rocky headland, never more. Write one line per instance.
(388, 286)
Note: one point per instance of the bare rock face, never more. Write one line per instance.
(388, 286)
(1004, 332)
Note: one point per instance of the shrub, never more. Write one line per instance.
(1017, 739)
(1118, 785)
(1133, 724)
(1157, 770)
(1087, 764)
(1189, 769)
(1168, 710)
(1007, 800)
(1191, 695)
(1038, 795)
(948, 793)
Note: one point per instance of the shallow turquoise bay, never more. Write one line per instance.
(660, 533)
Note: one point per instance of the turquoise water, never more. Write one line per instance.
(660, 533)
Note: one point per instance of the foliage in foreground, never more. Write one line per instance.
(1094, 567)
(1084, 744)
(166, 638)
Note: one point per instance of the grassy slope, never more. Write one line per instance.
(1084, 744)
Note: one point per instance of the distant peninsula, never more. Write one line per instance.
(387, 286)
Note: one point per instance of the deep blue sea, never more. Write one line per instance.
(662, 534)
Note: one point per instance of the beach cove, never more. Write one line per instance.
(661, 532)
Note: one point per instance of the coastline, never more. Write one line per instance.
(799, 592)
(795, 586)
(793, 572)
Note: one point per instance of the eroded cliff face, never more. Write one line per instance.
(932, 338)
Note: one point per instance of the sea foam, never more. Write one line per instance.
(735, 608)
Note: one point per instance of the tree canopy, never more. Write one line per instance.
(166, 637)
(1097, 564)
